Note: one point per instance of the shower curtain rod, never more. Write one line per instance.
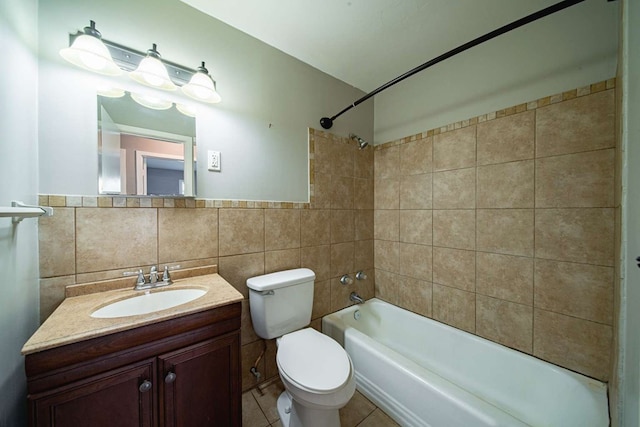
(327, 122)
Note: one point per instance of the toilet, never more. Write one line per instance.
(317, 373)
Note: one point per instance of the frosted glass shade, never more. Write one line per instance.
(152, 72)
(202, 88)
(187, 110)
(90, 53)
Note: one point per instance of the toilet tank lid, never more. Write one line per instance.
(280, 279)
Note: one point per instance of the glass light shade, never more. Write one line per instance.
(152, 72)
(202, 87)
(187, 110)
(152, 102)
(90, 53)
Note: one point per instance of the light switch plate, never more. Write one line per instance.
(213, 160)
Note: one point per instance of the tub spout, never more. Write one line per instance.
(356, 298)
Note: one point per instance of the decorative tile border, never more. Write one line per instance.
(520, 108)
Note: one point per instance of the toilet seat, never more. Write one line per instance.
(313, 361)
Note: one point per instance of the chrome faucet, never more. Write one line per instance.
(356, 298)
(154, 280)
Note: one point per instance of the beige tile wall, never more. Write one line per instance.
(503, 226)
(95, 238)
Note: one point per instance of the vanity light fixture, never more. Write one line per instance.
(152, 72)
(146, 68)
(110, 91)
(202, 87)
(89, 52)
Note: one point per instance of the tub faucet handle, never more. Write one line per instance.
(361, 275)
(346, 280)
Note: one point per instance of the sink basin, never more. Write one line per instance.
(148, 303)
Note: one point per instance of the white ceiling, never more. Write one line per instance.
(367, 42)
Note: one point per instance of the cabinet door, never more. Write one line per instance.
(123, 397)
(200, 384)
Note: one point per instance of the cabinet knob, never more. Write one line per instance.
(171, 377)
(145, 386)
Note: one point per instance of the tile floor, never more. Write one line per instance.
(259, 410)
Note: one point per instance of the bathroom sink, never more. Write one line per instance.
(148, 303)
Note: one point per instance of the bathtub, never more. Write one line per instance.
(425, 373)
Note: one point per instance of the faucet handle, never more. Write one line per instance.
(361, 275)
(140, 280)
(346, 280)
(165, 275)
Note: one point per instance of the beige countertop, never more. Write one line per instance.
(72, 322)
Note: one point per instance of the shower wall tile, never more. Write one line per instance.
(581, 124)
(454, 228)
(455, 268)
(241, 231)
(315, 227)
(416, 157)
(321, 191)
(575, 235)
(387, 225)
(454, 307)
(342, 192)
(387, 193)
(109, 239)
(506, 139)
(416, 261)
(507, 277)
(521, 219)
(285, 259)
(342, 155)
(186, 235)
(387, 286)
(576, 344)
(342, 226)
(322, 156)
(415, 191)
(387, 163)
(578, 290)
(506, 185)
(386, 255)
(505, 322)
(415, 295)
(56, 243)
(455, 150)
(576, 180)
(363, 167)
(342, 258)
(363, 197)
(364, 257)
(506, 231)
(455, 189)
(416, 226)
(318, 259)
(364, 224)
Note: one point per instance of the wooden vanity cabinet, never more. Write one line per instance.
(182, 372)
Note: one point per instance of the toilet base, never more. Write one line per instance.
(292, 414)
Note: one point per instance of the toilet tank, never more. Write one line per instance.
(281, 302)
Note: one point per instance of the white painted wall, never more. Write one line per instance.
(628, 409)
(19, 292)
(575, 47)
(269, 99)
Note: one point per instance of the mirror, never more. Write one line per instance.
(145, 151)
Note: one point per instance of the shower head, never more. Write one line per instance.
(361, 142)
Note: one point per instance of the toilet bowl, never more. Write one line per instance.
(318, 378)
(316, 371)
